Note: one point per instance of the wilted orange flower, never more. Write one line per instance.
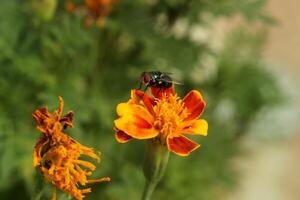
(58, 156)
(94, 10)
(164, 117)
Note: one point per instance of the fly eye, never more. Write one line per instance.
(147, 79)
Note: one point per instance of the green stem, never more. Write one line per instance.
(148, 190)
(156, 160)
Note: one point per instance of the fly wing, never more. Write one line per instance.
(177, 83)
(174, 82)
(169, 79)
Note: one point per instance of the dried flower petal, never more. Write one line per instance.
(58, 156)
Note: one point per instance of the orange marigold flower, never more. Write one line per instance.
(94, 10)
(164, 117)
(58, 156)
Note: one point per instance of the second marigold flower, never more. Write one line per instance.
(58, 156)
(164, 117)
(94, 10)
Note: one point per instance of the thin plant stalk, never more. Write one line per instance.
(156, 160)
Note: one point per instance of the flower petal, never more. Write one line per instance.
(181, 145)
(136, 121)
(42, 116)
(122, 137)
(67, 120)
(147, 100)
(195, 104)
(135, 127)
(136, 111)
(158, 92)
(37, 150)
(198, 127)
(133, 98)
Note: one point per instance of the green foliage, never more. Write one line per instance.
(95, 68)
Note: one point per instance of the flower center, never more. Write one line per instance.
(169, 113)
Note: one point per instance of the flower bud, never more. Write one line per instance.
(156, 160)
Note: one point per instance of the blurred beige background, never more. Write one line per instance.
(272, 169)
(284, 41)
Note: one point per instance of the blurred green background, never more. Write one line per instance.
(46, 52)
